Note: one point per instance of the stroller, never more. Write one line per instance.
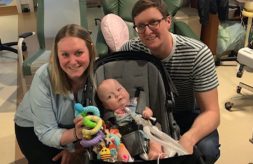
(143, 75)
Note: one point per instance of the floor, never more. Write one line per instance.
(8, 89)
(235, 129)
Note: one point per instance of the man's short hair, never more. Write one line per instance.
(142, 5)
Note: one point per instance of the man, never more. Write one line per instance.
(191, 67)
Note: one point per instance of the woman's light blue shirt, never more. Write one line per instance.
(49, 113)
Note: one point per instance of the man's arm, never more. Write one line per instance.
(207, 121)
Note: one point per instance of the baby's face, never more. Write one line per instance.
(113, 95)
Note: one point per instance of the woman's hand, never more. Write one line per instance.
(78, 121)
(74, 134)
(65, 157)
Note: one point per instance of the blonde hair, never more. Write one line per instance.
(59, 79)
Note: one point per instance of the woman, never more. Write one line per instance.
(44, 121)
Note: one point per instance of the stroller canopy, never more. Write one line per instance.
(140, 70)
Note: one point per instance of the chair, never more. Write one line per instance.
(93, 3)
(51, 16)
(234, 17)
(123, 9)
(8, 46)
(245, 60)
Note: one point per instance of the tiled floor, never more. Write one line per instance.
(8, 89)
(235, 129)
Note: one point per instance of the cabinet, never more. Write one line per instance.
(209, 32)
(25, 2)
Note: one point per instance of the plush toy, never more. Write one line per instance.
(118, 149)
(111, 149)
(105, 154)
(123, 154)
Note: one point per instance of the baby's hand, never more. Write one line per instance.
(147, 113)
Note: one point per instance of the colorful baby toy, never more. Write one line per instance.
(106, 143)
(92, 133)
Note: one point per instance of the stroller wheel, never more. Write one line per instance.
(251, 139)
(239, 74)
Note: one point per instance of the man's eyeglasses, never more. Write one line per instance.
(152, 25)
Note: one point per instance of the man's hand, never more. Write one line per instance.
(186, 142)
(155, 151)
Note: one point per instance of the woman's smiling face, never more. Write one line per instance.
(73, 56)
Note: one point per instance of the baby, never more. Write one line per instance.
(115, 97)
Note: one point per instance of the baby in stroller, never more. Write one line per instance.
(114, 97)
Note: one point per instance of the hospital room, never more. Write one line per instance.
(168, 55)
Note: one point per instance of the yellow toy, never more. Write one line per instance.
(111, 149)
(105, 154)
